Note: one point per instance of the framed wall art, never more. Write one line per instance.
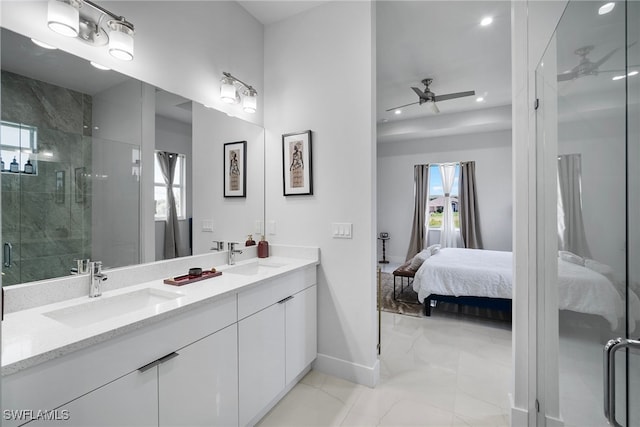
(296, 162)
(235, 169)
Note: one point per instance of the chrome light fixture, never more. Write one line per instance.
(92, 24)
(229, 93)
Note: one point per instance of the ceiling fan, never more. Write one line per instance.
(586, 67)
(432, 98)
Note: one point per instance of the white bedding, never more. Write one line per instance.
(484, 273)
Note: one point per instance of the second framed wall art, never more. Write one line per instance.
(296, 164)
(235, 169)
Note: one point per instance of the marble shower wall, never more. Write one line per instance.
(48, 227)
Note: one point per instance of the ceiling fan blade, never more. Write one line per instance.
(454, 95)
(567, 76)
(420, 93)
(434, 107)
(402, 106)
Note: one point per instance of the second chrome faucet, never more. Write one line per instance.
(231, 260)
(96, 278)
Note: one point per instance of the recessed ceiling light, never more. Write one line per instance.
(487, 20)
(479, 99)
(606, 8)
(633, 73)
(43, 44)
(618, 78)
(99, 66)
(398, 112)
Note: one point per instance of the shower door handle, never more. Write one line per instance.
(610, 350)
(8, 249)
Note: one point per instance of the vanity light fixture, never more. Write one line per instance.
(93, 25)
(229, 93)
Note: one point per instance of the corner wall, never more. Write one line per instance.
(319, 75)
(492, 153)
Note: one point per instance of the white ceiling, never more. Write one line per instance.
(442, 40)
(268, 12)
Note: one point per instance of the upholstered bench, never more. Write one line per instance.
(403, 272)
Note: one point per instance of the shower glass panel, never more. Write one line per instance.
(73, 151)
(589, 74)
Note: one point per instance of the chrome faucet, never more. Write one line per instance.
(97, 277)
(218, 245)
(232, 253)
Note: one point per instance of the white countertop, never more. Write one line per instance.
(30, 338)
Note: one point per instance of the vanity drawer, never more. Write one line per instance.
(273, 290)
(67, 377)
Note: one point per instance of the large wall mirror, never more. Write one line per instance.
(72, 144)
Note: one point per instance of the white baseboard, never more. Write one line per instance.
(519, 417)
(554, 422)
(354, 372)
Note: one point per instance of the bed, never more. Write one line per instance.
(484, 277)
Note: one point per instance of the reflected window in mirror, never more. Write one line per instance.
(19, 145)
(179, 188)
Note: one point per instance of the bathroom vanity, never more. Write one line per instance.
(221, 351)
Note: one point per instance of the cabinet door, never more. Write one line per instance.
(130, 401)
(199, 387)
(301, 335)
(261, 344)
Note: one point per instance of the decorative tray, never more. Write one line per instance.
(187, 278)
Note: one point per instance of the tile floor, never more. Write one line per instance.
(439, 371)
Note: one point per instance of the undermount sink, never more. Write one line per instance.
(254, 268)
(103, 308)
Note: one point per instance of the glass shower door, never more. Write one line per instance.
(588, 159)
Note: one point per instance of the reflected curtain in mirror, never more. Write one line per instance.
(168, 163)
(421, 197)
(469, 216)
(571, 234)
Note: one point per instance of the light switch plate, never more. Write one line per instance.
(207, 225)
(341, 230)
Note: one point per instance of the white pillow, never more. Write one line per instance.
(417, 260)
(571, 257)
(434, 249)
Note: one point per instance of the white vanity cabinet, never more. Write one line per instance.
(276, 340)
(199, 387)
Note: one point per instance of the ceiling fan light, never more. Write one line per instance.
(63, 18)
(606, 8)
(434, 107)
(487, 20)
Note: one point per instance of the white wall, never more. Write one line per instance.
(180, 46)
(175, 136)
(233, 218)
(492, 153)
(319, 69)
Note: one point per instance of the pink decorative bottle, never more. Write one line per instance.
(263, 248)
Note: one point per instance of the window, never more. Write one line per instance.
(436, 196)
(179, 190)
(18, 142)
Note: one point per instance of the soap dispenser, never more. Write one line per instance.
(263, 248)
(14, 166)
(28, 168)
(250, 241)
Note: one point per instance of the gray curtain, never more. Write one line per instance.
(167, 163)
(469, 216)
(420, 210)
(571, 234)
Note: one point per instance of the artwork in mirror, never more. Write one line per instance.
(235, 169)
